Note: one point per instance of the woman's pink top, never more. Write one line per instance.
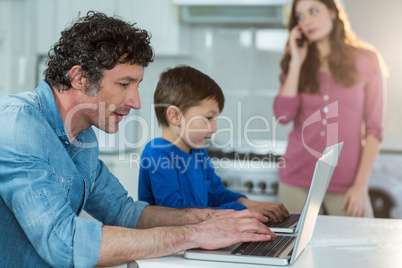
(334, 115)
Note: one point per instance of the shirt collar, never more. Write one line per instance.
(50, 110)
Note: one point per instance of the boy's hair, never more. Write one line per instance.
(184, 87)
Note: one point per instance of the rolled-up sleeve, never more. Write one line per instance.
(87, 242)
(286, 108)
(374, 105)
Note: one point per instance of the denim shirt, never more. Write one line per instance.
(45, 183)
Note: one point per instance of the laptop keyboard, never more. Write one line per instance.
(286, 223)
(273, 248)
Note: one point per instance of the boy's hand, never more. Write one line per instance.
(275, 211)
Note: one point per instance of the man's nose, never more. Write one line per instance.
(133, 99)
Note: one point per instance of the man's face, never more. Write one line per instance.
(118, 94)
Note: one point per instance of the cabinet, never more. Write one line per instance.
(160, 18)
(53, 16)
(29, 28)
(17, 59)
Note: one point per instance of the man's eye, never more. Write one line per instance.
(313, 11)
(124, 84)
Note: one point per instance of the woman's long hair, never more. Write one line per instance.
(342, 58)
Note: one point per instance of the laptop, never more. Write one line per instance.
(290, 225)
(286, 248)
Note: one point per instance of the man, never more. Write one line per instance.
(50, 171)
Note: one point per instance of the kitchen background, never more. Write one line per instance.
(239, 44)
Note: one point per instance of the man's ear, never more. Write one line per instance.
(77, 79)
(174, 115)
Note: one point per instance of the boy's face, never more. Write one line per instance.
(199, 123)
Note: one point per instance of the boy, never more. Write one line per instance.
(175, 169)
(50, 169)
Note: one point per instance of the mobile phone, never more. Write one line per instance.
(300, 41)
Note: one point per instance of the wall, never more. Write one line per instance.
(17, 55)
(247, 75)
(243, 60)
(380, 23)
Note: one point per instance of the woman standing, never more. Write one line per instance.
(332, 90)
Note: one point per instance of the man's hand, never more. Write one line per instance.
(229, 227)
(221, 228)
(275, 211)
(216, 213)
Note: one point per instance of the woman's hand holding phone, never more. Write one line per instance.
(298, 46)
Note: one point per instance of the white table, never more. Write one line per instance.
(336, 242)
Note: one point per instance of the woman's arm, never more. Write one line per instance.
(356, 198)
(286, 103)
(291, 83)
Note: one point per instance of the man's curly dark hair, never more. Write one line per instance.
(96, 42)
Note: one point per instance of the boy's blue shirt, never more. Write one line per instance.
(170, 177)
